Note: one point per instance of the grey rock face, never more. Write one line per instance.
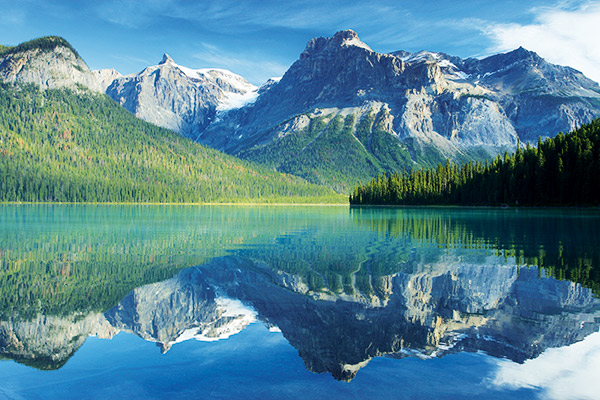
(47, 342)
(433, 99)
(53, 69)
(540, 98)
(179, 98)
(105, 77)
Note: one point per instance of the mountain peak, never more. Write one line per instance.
(347, 34)
(349, 38)
(341, 39)
(166, 59)
(523, 52)
(49, 62)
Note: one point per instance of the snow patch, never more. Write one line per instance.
(244, 92)
(446, 64)
(421, 55)
(241, 316)
(236, 100)
(354, 41)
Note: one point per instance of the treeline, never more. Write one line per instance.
(564, 170)
(46, 43)
(59, 146)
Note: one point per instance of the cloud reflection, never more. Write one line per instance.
(569, 372)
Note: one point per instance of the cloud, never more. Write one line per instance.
(562, 36)
(562, 373)
(234, 16)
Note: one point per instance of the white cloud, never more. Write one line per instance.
(565, 37)
(562, 373)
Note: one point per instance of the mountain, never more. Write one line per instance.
(343, 112)
(70, 142)
(181, 99)
(58, 146)
(49, 62)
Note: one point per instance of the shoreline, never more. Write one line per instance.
(169, 204)
(296, 204)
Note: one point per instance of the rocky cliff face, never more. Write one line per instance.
(179, 98)
(49, 62)
(402, 108)
(106, 77)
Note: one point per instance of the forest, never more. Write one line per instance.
(559, 171)
(77, 146)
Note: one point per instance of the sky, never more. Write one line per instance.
(259, 39)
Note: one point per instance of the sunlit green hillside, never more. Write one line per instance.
(61, 146)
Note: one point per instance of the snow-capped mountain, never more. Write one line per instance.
(179, 98)
(342, 113)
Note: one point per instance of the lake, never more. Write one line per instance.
(169, 302)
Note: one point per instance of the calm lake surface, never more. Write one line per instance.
(153, 302)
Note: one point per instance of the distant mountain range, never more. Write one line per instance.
(342, 113)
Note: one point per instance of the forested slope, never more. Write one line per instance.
(66, 146)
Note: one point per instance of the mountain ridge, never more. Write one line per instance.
(423, 107)
(343, 113)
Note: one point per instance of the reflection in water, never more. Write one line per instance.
(342, 289)
(554, 371)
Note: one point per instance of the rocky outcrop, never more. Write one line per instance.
(48, 62)
(106, 77)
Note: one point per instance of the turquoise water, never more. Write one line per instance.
(298, 302)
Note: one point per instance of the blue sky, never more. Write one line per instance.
(259, 39)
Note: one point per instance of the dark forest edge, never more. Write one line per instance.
(560, 171)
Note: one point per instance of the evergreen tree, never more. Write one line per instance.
(564, 170)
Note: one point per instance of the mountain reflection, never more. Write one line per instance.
(342, 291)
(433, 310)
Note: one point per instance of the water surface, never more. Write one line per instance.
(298, 302)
